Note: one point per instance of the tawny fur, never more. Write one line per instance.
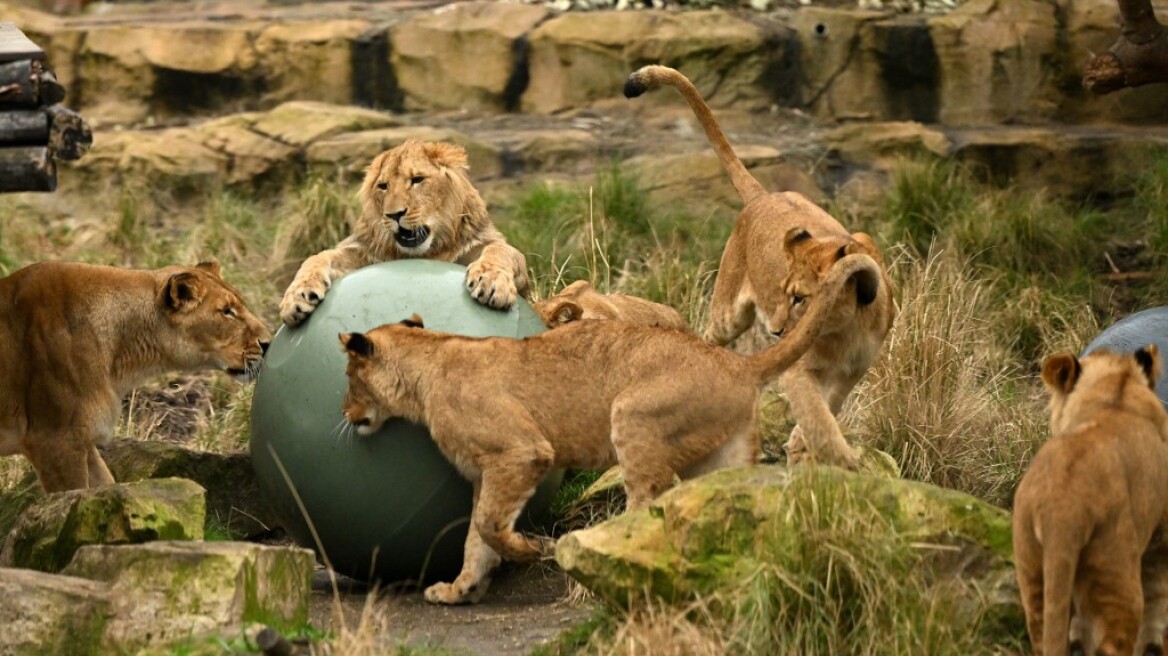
(417, 186)
(1090, 510)
(588, 395)
(580, 300)
(78, 337)
(782, 246)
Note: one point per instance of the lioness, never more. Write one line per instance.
(779, 251)
(1089, 504)
(416, 201)
(587, 396)
(78, 337)
(580, 300)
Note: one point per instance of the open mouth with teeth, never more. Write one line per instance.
(411, 237)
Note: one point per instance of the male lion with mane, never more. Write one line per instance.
(416, 202)
(78, 337)
(779, 252)
(1090, 511)
(588, 395)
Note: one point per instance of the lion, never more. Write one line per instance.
(417, 201)
(580, 300)
(780, 250)
(79, 337)
(588, 395)
(1090, 505)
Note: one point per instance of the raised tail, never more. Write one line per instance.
(771, 362)
(648, 77)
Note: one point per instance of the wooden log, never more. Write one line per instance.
(27, 168)
(49, 91)
(19, 82)
(24, 127)
(14, 45)
(69, 134)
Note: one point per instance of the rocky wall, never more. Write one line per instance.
(986, 62)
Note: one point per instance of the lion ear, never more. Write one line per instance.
(1061, 372)
(210, 266)
(793, 237)
(357, 344)
(415, 321)
(373, 173)
(1149, 360)
(183, 292)
(564, 312)
(444, 154)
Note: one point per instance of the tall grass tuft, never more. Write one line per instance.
(322, 213)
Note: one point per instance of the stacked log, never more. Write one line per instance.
(35, 129)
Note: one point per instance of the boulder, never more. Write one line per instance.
(715, 532)
(880, 145)
(163, 592)
(842, 74)
(579, 58)
(50, 531)
(464, 57)
(51, 614)
(233, 497)
(309, 59)
(300, 123)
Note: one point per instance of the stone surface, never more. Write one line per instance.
(710, 533)
(351, 153)
(50, 531)
(51, 614)
(233, 497)
(578, 59)
(164, 592)
(463, 57)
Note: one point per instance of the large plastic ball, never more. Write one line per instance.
(1135, 331)
(387, 506)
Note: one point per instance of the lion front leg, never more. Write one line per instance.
(61, 461)
(498, 277)
(314, 279)
(478, 561)
(817, 436)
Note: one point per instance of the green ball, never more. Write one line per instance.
(387, 506)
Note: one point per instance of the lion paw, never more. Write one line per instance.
(302, 298)
(491, 285)
(449, 593)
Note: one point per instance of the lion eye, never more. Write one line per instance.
(228, 312)
(417, 180)
(383, 185)
(796, 299)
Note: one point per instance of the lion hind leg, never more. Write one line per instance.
(742, 449)
(99, 473)
(1154, 580)
(1112, 601)
(508, 483)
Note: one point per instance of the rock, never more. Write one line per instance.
(51, 614)
(175, 158)
(548, 149)
(879, 145)
(842, 79)
(163, 592)
(578, 59)
(463, 57)
(251, 155)
(50, 531)
(351, 153)
(233, 497)
(312, 59)
(303, 122)
(712, 533)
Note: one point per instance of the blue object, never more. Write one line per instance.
(1137, 330)
(387, 506)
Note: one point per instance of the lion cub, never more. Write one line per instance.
(1088, 507)
(780, 250)
(587, 396)
(416, 201)
(78, 337)
(580, 300)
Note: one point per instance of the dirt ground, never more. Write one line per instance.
(526, 606)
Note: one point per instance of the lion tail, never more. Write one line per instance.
(648, 77)
(771, 362)
(1058, 578)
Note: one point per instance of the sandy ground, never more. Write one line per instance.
(526, 606)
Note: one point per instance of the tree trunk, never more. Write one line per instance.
(24, 127)
(27, 168)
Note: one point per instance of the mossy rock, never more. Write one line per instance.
(51, 614)
(50, 531)
(716, 532)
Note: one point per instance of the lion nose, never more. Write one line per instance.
(396, 216)
(264, 347)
